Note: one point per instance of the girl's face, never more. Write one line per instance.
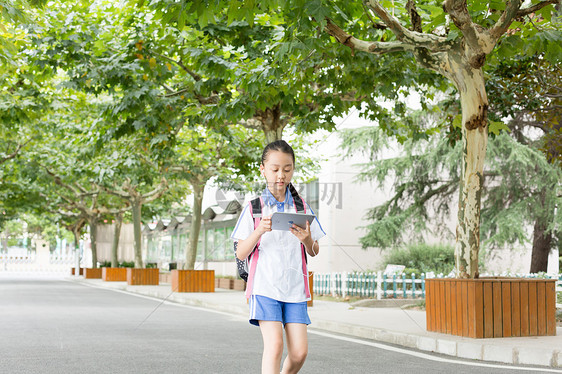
(278, 171)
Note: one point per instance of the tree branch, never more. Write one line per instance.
(156, 193)
(13, 154)
(364, 46)
(535, 8)
(194, 75)
(479, 43)
(501, 26)
(415, 18)
(512, 11)
(251, 123)
(116, 192)
(433, 42)
(376, 25)
(59, 181)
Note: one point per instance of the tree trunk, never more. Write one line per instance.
(93, 239)
(115, 245)
(474, 104)
(5, 242)
(191, 254)
(542, 241)
(76, 232)
(76, 235)
(273, 124)
(272, 135)
(136, 207)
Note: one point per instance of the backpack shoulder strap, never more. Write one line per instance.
(256, 211)
(256, 205)
(300, 206)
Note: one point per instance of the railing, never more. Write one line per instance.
(33, 263)
(10, 259)
(66, 260)
(382, 286)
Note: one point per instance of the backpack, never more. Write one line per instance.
(256, 210)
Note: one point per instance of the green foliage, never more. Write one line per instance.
(423, 258)
(425, 176)
(521, 187)
(527, 90)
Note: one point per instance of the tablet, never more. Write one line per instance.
(284, 221)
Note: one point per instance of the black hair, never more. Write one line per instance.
(278, 145)
(281, 146)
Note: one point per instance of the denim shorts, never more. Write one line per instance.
(266, 309)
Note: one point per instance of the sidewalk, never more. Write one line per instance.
(389, 325)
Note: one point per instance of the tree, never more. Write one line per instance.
(458, 55)
(204, 154)
(129, 192)
(519, 187)
(456, 50)
(225, 72)
(527, 90)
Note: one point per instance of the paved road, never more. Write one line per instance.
(53, 326)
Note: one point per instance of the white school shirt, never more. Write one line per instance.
(279, 271)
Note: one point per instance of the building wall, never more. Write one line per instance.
(125, 251)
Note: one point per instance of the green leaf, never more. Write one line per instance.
(457, 121)
(495, 127)
(452, 35)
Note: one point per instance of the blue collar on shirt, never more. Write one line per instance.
(269, 199)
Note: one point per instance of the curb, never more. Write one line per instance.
(472, 350)
(459, 349)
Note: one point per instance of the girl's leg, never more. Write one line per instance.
(272, 334)
(297, 347)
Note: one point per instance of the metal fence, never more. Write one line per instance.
(381, 285)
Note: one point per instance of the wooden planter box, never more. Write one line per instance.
(193, 280)
(238, 285)
(90, 273)
(165, 277)
(142, 277)
(73, 271)
(114, 274)
(225, 283)
(491, 307)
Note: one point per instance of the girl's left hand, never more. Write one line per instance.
(303, 234)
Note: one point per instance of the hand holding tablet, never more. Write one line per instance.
(284, 221)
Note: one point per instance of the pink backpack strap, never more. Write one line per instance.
(254, 256)
(303, 255)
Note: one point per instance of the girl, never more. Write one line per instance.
(279, 291)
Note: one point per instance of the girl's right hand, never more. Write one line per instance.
(264, 226)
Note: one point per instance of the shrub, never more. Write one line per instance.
(423, 258)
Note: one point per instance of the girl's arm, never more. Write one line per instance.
(304, 235)
(312, 247)
(246, 246)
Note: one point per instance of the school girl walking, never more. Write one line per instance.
(277, 285)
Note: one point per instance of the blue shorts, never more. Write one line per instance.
(265, 309)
